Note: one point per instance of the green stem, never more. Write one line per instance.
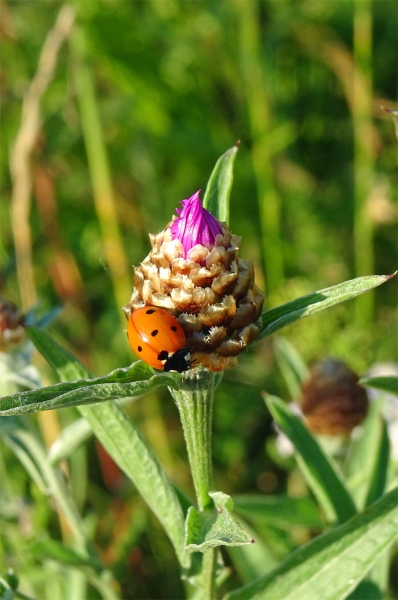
(362, 108)
(195, 403)
(208, 573)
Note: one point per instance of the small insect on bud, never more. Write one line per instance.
(11, 324)
(194, 273)
(333, 402)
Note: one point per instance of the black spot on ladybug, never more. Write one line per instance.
(163, 355)
(154, 332)
(128, 335)
(173, 328)
(150, 311)
(139, 348)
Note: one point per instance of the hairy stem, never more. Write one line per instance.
(195, 403)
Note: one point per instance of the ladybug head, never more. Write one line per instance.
(180, 361)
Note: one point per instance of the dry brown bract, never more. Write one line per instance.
(211, 293)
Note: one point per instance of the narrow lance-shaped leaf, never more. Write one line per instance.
(318, 470)
(387, 383)
(292, 366)
(125, 382)
(70, 438)
(366, 455)
(125, 444)
(216, 198)
(66, 395)
(279, 511)
(331, 565)
(122, 440)
(378, 481)
(280, 316)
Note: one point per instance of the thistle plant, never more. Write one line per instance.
(195, 273)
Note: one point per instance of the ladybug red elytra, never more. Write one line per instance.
(158, 339)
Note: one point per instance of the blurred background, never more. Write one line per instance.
(115, 111)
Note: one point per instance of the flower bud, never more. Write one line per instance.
(194, 272)
(11, 324)
(333, 402)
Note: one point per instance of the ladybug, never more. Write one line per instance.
(158, 339)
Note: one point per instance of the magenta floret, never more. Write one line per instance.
(195, 225)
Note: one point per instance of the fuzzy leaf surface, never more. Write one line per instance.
(130, 381)
(331, 565)
(123, 441)
(209, 529)
(280, 316)
(322, 477)
(77, 393)
(216, 198)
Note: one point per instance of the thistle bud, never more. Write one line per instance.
(11, 323)
(194, 272)
(333, 402)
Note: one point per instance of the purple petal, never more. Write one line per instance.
(195, 225)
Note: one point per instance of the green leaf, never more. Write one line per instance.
(32, 453)
(124, 443)
(387, 384)
(254, 560)
(63, 361)
(280, 316)
(68, 440)
(368, 458)
(54, 550)
(77, 393)
(208, 529)
(122, 440)
(378, 479)
(125, 382)
(216, 198)
(292, 366)
(11, 579)
(331, 565)
(279, 511)
(321, 475)
(366, 589)
(380, 572)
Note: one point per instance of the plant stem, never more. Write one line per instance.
(208, 573)
(364, 153)
(195, 404)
